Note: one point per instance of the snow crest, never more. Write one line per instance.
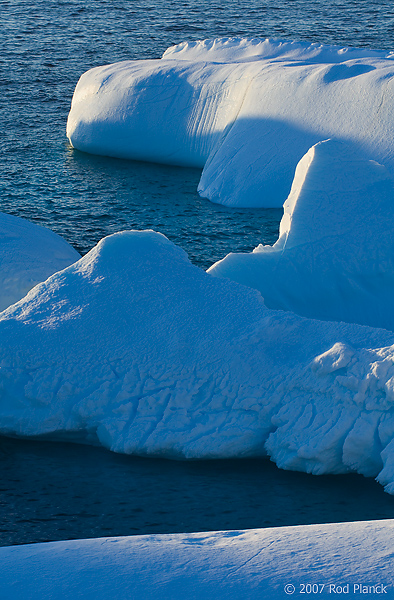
(246, 49)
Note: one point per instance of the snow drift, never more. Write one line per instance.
(29, 254)
(335, 558)
(334, 259)
(134, 348)
(245, 110)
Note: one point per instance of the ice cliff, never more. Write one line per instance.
(334, 259)
(244, 110)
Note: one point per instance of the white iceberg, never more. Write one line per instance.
(245, 110)
(29, 254)
(334, 259)
(324, 561)
(136, 349)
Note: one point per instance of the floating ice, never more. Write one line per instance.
(29, 254)
(245, 110)
(334, 258)
(134, 348)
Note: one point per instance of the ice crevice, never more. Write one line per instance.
(250, 559)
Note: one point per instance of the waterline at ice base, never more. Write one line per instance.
(134, 348)
(245, 111)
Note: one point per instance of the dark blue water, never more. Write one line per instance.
(56, 491)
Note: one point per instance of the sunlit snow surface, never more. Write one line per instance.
(335, 559)
(334, 259)
(245, 110)
(136, 349)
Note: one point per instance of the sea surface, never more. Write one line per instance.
(60, 491)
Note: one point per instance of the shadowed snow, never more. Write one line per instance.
(135, 348)
(29, 254)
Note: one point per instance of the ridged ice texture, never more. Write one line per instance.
(134, 348)
(245, 110)
(244, 50)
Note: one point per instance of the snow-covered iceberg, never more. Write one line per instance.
(29, 254)
(245, 110)
(136, 349)
(334, 259)
(325, 561)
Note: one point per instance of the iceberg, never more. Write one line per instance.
(134, 348)
(245, 111)
(334, 259)
(324, 560)
(29, 254)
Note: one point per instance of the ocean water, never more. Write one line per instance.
(56, 491)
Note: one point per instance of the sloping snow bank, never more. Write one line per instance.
(245, 110)
(334, 259)
(29, 254)
(136, 349)
(336, 559)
